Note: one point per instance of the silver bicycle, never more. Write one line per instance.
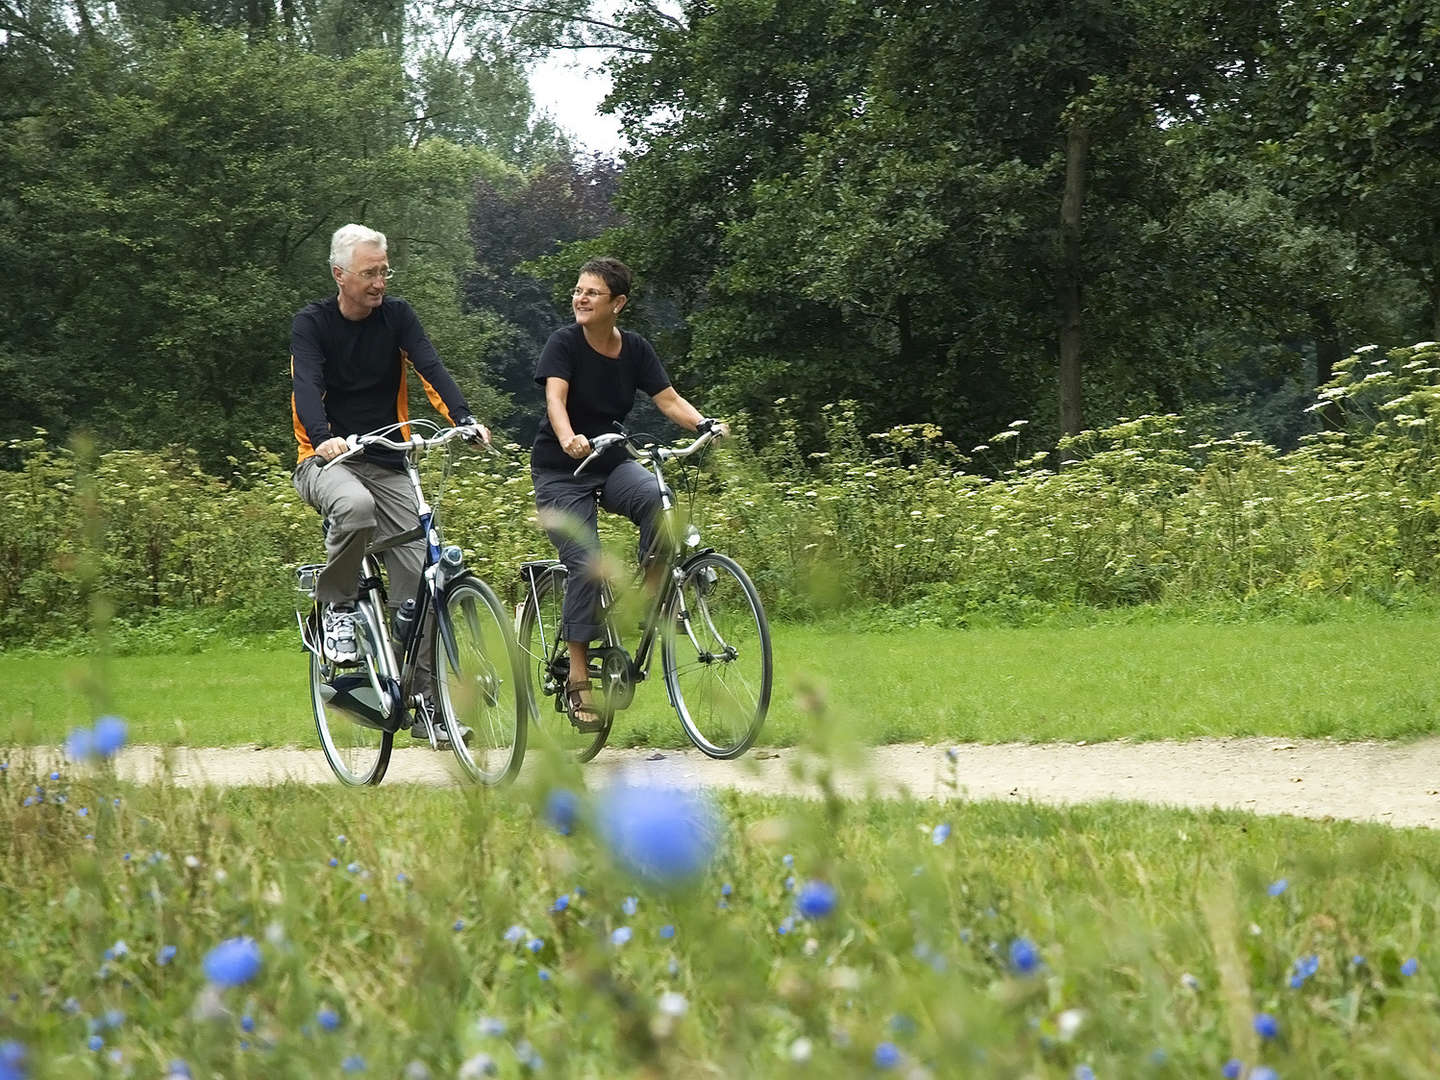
(480, 679)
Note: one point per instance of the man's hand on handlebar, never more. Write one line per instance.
(577, 446)
(332, 448)
(709, 424)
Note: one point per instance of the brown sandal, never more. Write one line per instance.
(584, 715)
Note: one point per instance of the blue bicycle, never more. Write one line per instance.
(480, 680)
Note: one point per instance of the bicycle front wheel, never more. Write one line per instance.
(548, 659)
(357, 754)
(482, 686)
(718, 665)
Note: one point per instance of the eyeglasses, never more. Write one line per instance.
(375, 273)
(588, 294)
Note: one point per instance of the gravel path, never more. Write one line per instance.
(1393, 783)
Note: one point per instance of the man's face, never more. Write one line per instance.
(362, 284)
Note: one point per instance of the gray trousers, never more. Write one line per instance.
(362, 500)
(567, 506)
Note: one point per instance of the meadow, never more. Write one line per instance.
(1157, 581)
(406, 932)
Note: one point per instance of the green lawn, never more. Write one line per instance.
(1370, 677)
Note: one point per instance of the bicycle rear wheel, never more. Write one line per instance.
(718, 666)
(484, 687)
(357, 754)
(548, 661)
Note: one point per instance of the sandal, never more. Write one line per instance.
(584, 715)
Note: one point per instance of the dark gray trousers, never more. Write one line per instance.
(362, 501)
(567, 509)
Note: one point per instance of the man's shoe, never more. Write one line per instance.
(442, 735)
(341, 644)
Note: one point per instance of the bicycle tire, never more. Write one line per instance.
(718, 664)
(357, 754)
(486, 687)
(548, 667)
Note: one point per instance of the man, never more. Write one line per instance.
(347, 367)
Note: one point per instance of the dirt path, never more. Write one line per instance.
(1396, 784)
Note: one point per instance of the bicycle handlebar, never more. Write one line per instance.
(602, 443)
(358, 443)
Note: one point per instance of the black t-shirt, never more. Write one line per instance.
(602, 389)
(348, 375)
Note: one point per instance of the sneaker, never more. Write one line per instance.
(442, 736)
(341, 645)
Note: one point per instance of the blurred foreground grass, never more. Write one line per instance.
(1349, 678)
(410, 932)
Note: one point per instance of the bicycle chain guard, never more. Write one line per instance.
(616, 675)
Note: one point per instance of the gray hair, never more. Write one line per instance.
(347, 238)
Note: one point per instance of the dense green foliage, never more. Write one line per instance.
(1152, 510)
(1127, 940)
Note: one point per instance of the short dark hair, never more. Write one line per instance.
(615, 274)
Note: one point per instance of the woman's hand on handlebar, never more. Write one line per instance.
(577, 446)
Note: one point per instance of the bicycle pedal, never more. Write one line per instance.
(587, 727)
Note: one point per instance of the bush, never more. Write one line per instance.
(1147, 511)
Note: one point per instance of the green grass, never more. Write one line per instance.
(1359, 678)
(1158, 927)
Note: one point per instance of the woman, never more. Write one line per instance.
(590, 371)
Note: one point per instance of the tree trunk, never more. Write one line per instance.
(1077, 152)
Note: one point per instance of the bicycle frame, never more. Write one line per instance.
(387, 710)
(669, 546)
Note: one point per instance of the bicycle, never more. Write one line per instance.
(713, 634)
(480, 679)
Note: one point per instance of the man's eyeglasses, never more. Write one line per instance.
(588, 294)
(375, 273)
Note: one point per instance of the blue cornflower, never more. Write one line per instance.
(459, 925)
(232, 962)
(514, 933)
(1278, 887)
(340, 839)
(109, 736)
(562, 810)
(327, 1018)
(561, 902)
(544, 975)
(667, 931)
(1024, 957)
(334, 861)
(940, 834)
(790, 883)
(84, 811)
(787, 861)
(80, 744)
(178, 1070)
(95, 1042)
(815, 900)
(353, 868)
(1232, 1069)
(353, 1064)
(529, 1059)
(401, 877)
(1084, 1072)
(1266, 1026)
(621, 936)
(662, 835)
(887, 1055)
(630, 906)
(114, 1018)
(364, 897)
(54, 776)
(726, 889)
(12, 1060)
(1410, 966)
(1263, 1072)
(247, 1023)
(1358, 960)
(786, 925)
(490, 1026)
(535, 944)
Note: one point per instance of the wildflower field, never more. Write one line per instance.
(560, 928)
(554, 931)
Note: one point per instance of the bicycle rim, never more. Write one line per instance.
(547, 662)
(718, 665)
(357, 754)
(485, 688)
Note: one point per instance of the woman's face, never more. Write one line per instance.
(592, 302)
